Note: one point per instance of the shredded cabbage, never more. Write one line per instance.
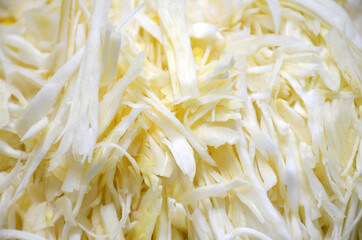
(172, 119)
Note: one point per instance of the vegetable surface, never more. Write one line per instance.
(172, 119)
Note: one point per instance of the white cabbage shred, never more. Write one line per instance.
(173, 119)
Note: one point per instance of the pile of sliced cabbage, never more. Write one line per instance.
(172, 119)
